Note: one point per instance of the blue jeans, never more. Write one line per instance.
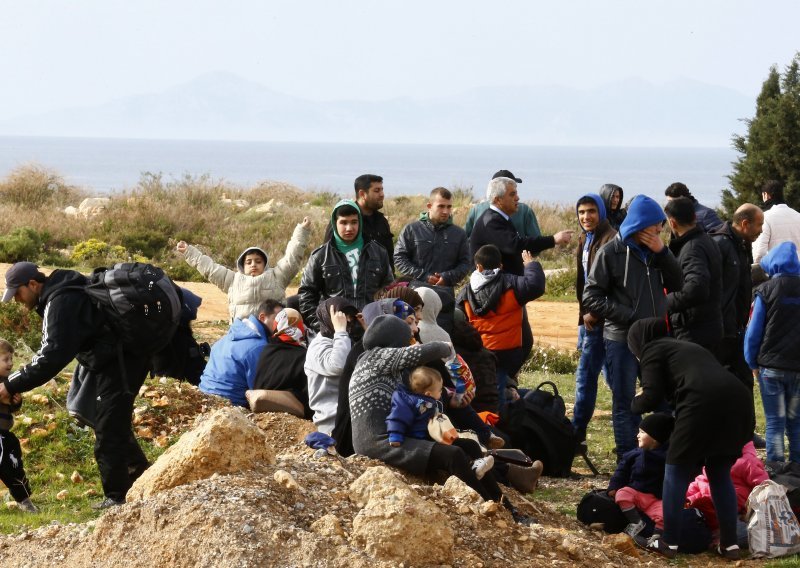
(676, 482)
(623, 370)
(593, 357)
(780, 394)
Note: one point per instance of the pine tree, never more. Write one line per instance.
(771, 147)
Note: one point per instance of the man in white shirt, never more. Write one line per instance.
(781, 222)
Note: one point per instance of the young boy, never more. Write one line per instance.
(494, 301)
(12, 472)
(415, 405)
(637, 483)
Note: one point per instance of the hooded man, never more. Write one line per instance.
(613, 196)
(345, 266)
(626, 283)
(596, 231)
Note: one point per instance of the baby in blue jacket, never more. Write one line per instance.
(412, 408)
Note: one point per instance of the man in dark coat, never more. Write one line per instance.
(613, 196)
(734, 240)
(712, 418)
(595, 232)
(74, 328)
(695, 311)
(707, 218)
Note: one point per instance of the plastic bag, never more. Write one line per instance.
(772, 528)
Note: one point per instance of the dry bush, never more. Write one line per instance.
(33, 186)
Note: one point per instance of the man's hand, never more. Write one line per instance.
(338, 320)
(755, 374)
(563, 237)
(395, 444)
(440, 282)
(16, 399)
(612, 492)
(589, 320)
(181, 247)
(433, 278)
(527, 257)
(513, 394)
(306, 223)
(5, 396)
(653, 242)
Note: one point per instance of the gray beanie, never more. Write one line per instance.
(387, 331)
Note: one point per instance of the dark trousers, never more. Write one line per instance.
(527, 336)
(731, 355)
(118, 455)
(12, 473)
(457, 460)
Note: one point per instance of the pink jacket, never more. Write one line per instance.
(747, 472)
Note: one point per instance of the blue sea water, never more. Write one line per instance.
(560, 174)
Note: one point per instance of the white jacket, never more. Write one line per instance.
(781, 223)
(246, 293)
(325, 360)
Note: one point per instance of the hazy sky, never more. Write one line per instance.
(56, 54)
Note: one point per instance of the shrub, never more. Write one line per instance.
(20, 326)
(33, 186)
(96, 250)
(180, 271)
(561, 285)
(551, 360)
(21, 244)
(149, 242)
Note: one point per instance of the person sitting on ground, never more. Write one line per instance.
(325, 359)
(232, 365)
(636, 485)
(770, 349)
(414, 406)
(255, 281)
(494, 301)
(281, 364)
(612, 196)
(747, 472)
(707, 218)
(377, 374)
(345, 266)
(482, 362)
(429, 329)
(12, 471)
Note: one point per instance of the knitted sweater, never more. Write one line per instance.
(374, 380)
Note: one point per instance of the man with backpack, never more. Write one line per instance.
(77, 326)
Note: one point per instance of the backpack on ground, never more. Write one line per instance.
(538, 425)
(141, 304)
(772, 528)
(788, 475)
(183, 358)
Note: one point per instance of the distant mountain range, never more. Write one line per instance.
(222, 106)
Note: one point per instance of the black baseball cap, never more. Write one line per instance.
(506, 174)
(18, 275)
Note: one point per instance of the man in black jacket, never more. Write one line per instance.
(74, 328)
(695, 310)
(347, 266)
(735, 239)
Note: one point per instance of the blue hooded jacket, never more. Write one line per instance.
(643, 212)
(231, 368)
(780, 262)
(410, 415)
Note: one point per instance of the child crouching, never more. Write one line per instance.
(415, 405)
(638, 481)
(12, 472)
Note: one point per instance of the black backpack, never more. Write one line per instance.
(141, 304)
(183, 358)
(538, 425)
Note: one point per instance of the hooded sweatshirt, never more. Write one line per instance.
(351, 251)
(246, 293)
(588, 244)
(232, 366)
(773, 335)
(429, 330)
(627, 281)
(615, 216)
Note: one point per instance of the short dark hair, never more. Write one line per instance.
(268, 306)
(345, 211)
(682, 210)
(678, 189)
(364, 182)
(443, 191)
(489, 257)
(586, 200)
(6, 348)
(773, 188)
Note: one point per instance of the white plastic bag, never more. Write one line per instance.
(772, 527)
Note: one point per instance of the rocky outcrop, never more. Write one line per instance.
(224, 441)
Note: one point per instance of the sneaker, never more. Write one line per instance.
(759, 442)
(28, 506)
(482, 465)
(496, 442)
(656, 544)
(107, 503)
(634, 529)
(730, 553)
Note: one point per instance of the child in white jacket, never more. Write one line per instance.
(255, 281)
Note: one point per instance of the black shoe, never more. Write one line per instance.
(107, 503)
(656, 544)
(759, 442)
(730, 553)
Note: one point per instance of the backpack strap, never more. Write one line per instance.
(551, 383)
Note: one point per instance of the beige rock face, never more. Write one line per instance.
(460, 492)
(93, 206)
(224, 441)
(396, 524)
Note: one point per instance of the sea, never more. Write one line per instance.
(549, 173)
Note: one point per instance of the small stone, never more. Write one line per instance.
(12, 505)
(285, 479)
(247, 529)
(60, 476)
(489, 508)
(61, 495)
(76, 477)
(89, 492)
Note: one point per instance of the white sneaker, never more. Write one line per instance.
(481, 466)
(28, 506)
